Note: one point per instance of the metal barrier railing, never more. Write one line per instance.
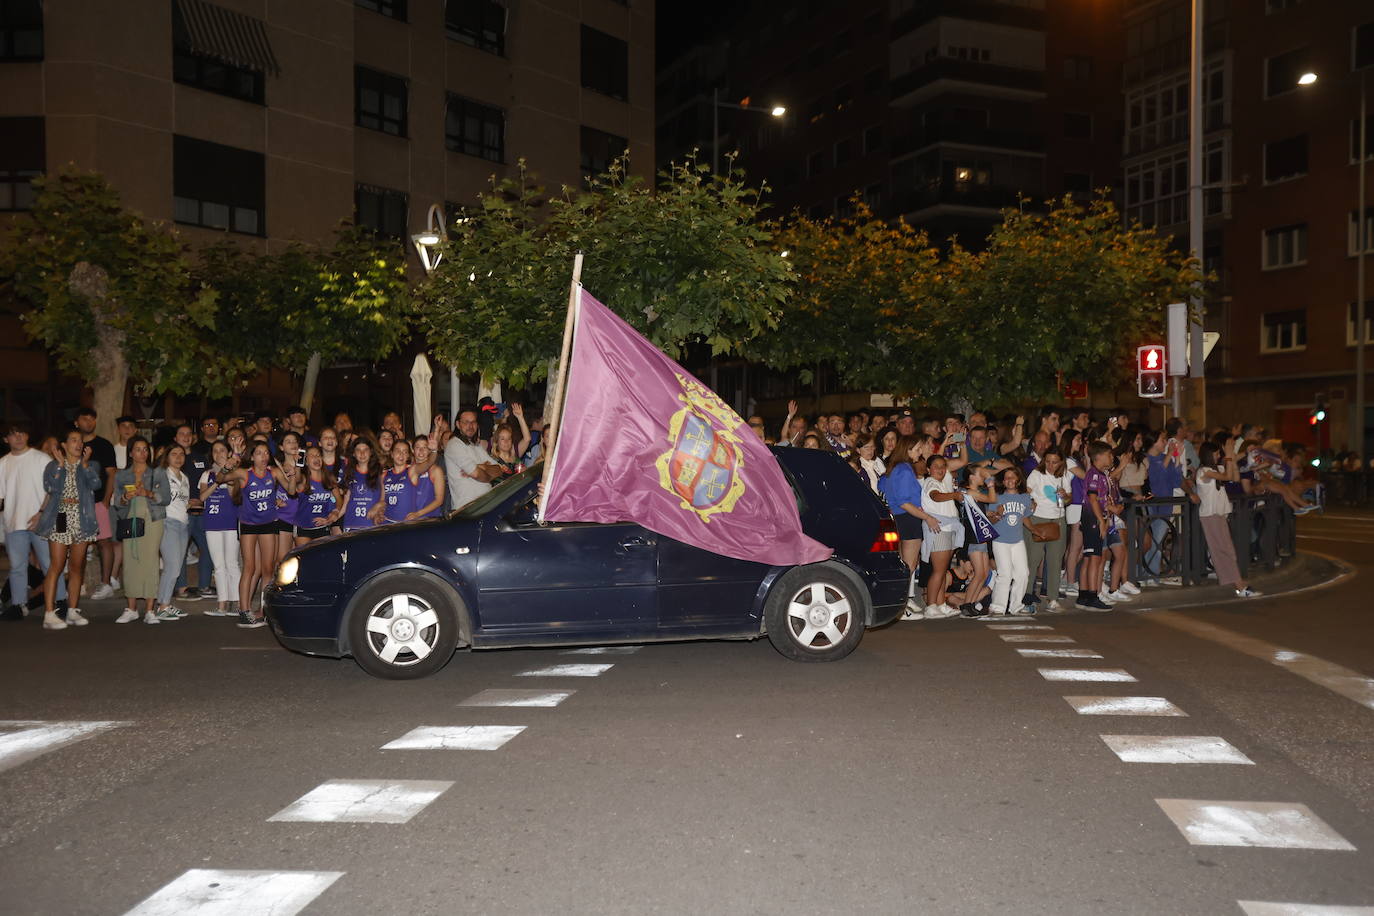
(1348, 488)
(1164, 537)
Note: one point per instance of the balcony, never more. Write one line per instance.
(1015, 79)
(986, 197)
(976, 10)
(969, 135)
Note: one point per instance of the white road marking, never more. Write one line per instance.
(1124, 706)
(1174, 749)
(1347, 683)
(603, 650)
(363, 801)
(454, 738)
(1274, 825)
(1058, 653)
(215, 892)
(29, 739)
(567, 671)
(1265, 908)
(1019, 626)
(1085, 674)
(1031, 637)
(498, 697)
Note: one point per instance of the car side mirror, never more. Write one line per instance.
(523, 515)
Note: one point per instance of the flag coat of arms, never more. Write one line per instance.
(641, 440)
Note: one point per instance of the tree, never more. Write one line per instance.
(110, 295)
(686, 262)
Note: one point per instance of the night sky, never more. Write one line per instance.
(683, 23)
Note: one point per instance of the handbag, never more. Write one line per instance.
(130, 529)
(1042, 531)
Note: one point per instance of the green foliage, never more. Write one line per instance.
(140, 297)
(686, 262)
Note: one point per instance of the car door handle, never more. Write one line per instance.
(636, 543)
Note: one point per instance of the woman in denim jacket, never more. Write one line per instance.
(67, 522)
(141, 493)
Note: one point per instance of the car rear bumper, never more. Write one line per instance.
(306, 621)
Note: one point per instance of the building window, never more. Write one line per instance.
(1281, 72)
(1078, 183)
(475, 129)
(816, 163)
(394, 9)
(23, 156)
(1277, 6)
(216, 76)
(600, 149)
(1157, 113)
(605, 64)
(1285, 159)
(1350, 323)
(1157, 190)
(379, 101)
(479, 23)
(844, 151)
(1078, 67)
(873, 138)
(218, 50)
(218, 187)
(1352, 243)
(1078, 126)
(380, 209)
(1280, 331)
(1285, 246)
(844, 97)
(1362, 46)
(965, 52)
(873, 81)
(1355, 139)
(21, 30)
(873, 197)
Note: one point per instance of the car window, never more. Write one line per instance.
(498, 494)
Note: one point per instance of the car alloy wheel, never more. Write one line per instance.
(819, 616)
(402, 630)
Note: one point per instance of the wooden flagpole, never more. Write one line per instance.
(561, 382)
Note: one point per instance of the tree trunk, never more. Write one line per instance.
(111, 376)
(312, 377)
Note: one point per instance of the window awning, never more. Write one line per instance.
(224, 35)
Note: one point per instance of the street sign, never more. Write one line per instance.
(1076, 391)
(1150, 368)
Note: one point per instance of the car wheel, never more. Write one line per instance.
(403, 626)
(816, 614)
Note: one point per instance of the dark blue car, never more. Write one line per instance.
(402, 598)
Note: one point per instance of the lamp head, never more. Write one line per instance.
(1307, 79)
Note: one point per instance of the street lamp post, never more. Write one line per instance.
(1196, 370)
(427, 242)
(777, 111)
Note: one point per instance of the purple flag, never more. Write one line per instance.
(643, 441)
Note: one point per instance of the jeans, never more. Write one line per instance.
(224, 551)
(17, 545)
(1159, 529)
(196, 529)
(174, 537)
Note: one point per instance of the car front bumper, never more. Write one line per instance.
(305, 620)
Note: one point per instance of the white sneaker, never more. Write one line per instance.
(1108, 597)
(102, 591)
(1053, 607)
(1130, 588)
(52, 622)
(910, 614)
(1069, 591)
(129, 616)
(149, 617)
(944, 610)
(1247, 593)
(114, 583)
(1118, 597)
(74, 618)
(1171, 580)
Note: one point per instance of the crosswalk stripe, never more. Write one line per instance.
(454, 738)
(1123, 706)
(500, 697)
(363, 801)
(1273, 825)
(603, 650)
(1058, 653)
(1174, 749)
(1029, 637)
(1019, 626)
(567, 671)
(31, 739)
(1266, 908)
(218, 892)
(1085, 674)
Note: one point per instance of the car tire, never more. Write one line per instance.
(404, 625)
(816, 613)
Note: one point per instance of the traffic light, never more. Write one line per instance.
(1150, 368)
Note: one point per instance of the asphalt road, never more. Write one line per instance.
(936, 770)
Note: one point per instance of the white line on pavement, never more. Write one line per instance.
(1018, 626)
(363, 801)
(454, 738)
(1058, 653)
(499, 697)
(603, 650)
(1124, 706)
(215, 892)
(1085, 674)
(1274, 825)
(567, 671)
(1347, 683)
(35, 738)
(1174, 749)
(1266, 908)
(1027, 637)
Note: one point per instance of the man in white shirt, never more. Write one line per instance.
(469, 467)
(21, 491)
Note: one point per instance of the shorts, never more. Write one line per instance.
(285, 527)
(1073, 515)
(104, 531)
(976, 548)
(316, 532)
(264, 528)
(940, 541)
(908, 526)
(1092, 537)
(1113, 537)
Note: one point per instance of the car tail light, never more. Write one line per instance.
(887, 539)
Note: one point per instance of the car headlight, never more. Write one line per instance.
(286, 572)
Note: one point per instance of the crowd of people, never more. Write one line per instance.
(998, 516)
(229, 498)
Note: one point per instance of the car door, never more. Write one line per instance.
(704, 593)
(571, 579)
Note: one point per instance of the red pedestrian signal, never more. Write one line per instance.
(1150, 369)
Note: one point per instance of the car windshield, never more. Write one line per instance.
(498, 493)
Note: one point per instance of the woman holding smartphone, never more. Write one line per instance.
(67, 521)
(291, 463)
(318, 504)
(222, 530)
(259, 526)
(142, 497)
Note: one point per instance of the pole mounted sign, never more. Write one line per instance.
(1150, 371)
